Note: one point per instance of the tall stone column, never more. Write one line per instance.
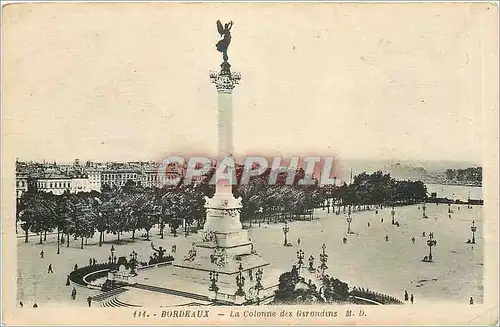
(223, 208)
(225, 81)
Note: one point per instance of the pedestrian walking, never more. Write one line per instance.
(298, 241)
(89, 301)
(50, 270)
(471, 301)
(73, 293)
(368, 224)
(387, 238)
(76, 267)
(67, 281)
(411, 298)
(413, 240)
(381, 220)
(21, 304)
(94, 261)
(406, 295)
(35, 305)
(174, 248)
(90, 262)
(423, 234)
(41, 254)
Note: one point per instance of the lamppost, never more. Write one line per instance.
(240, 282)
(430, 243)
(133, 261)
(300, 257)
(473, 230)
(311, 263)
(392, 214)
(423, 211)
(258, 285)
(349, 220)
(286, 229)
(112, 258)
(214, 277)
(323, 257)
(58, 239)
(162, 226)
(157, 214)
(101, 236)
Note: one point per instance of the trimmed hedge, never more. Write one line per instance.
(378, 297)
(76, 276)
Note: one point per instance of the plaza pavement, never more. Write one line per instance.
(366, 260)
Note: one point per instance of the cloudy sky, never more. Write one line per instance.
(130, 81)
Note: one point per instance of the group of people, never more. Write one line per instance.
(21, 304)
(411, 297)
(73, 297)
(92, 262)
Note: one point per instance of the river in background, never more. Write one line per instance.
(456, 192)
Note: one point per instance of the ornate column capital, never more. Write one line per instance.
(225, 80)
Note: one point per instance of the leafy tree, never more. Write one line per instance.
(286, 287)
(35, 211)
(147, 209)
(335, 290)
(84, 217)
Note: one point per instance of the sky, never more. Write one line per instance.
(130, 81)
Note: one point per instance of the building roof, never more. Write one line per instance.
(54, 175)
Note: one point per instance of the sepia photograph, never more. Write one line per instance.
(237, 163)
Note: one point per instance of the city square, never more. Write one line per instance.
(364, 261)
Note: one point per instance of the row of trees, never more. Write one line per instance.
(472, 174)
(129, 209)
(379, 188)
(134, 208)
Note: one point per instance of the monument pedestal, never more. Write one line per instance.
(225, 248)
